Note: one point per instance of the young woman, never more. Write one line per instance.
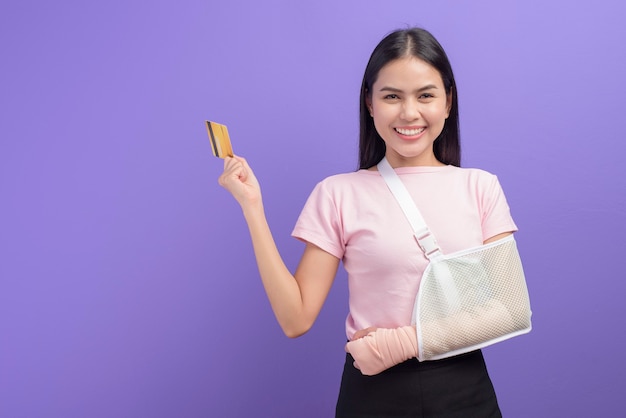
(409, 114)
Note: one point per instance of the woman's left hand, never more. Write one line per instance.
(362, 333)
(377, 349)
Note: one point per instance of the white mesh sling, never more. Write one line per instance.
(466, 300)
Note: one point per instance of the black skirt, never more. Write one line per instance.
(457, 387)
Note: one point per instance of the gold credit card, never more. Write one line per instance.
(220, 141)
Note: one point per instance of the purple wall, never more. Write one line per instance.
(127, 282)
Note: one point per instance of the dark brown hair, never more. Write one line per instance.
(420, 44)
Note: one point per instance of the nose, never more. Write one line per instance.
(410, 110)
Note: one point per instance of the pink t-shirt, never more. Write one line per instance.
(355, 217)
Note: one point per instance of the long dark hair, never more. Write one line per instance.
(418, 43)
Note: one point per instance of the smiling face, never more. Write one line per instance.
(409, 105)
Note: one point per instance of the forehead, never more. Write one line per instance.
(407, 73)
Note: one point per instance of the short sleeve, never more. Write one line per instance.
(496, 214)
(320, 222)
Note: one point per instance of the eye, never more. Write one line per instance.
(391, 97)
(426, 96)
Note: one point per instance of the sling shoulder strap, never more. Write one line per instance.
(422, 233)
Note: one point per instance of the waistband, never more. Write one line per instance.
(414, 364)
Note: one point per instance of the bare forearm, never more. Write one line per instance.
(280, 285)
(285, 293)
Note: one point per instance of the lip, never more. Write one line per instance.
(410, 137)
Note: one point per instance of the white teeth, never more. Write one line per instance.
(409, 132)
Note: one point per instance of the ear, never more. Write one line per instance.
(368, 103)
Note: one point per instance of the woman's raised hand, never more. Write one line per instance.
(239, 179)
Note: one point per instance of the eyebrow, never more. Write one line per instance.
(395, 90)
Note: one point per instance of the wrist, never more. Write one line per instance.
(253, 210)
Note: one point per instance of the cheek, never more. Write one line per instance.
(438, 114)
(383, 113)
(378, 125)
(382, 127)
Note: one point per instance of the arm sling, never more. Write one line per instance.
(468, 299)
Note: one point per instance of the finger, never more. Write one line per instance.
(237, 161)
(248, 170)
(238, 157)
(242, 160)
(234, 166)
(230, 162)
(362, 333)
(227, 161)
(357, 335)
(234, 171)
